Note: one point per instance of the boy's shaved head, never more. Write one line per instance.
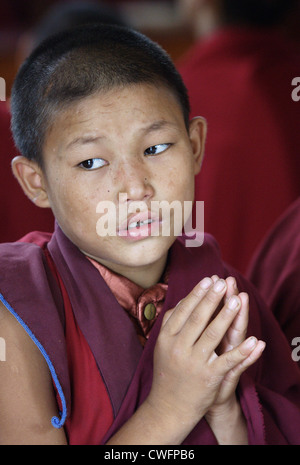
(76, 64)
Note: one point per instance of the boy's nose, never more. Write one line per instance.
(135, 181)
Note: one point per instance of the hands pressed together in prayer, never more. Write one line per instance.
(200, 354)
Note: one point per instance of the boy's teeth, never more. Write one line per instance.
(132, 225)
(138, 224)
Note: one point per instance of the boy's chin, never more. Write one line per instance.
(148, 249)
(143, 252)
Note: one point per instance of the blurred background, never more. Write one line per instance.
(165, 21)
(159, 19)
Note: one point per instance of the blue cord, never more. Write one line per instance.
(56, 422)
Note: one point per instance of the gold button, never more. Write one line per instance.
(150, 311)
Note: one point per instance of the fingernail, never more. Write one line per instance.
(263, 346)
(233, 302)
(219, 285)
(232, 282)
(251, 342)
(206, 283)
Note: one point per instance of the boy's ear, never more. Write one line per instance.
(197, 133)
(31, 178)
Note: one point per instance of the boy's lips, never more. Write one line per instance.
(138, 225)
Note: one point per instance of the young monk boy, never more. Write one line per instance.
(129, 337)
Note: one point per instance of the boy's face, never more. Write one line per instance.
(133, 142)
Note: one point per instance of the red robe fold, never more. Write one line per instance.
(241, 81)
(275, 271)
(269, 391)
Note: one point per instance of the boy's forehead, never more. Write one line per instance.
(136, 93)
(152, 108)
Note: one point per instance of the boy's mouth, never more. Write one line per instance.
(138, 224)
(141, 225)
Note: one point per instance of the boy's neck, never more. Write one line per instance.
(145, 276)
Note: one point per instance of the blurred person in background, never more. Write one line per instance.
(239, 76)
(275, 271)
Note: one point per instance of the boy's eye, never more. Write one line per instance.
(92, 163)
(156, 149)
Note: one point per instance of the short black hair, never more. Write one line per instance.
(257, 13)
(75, 64)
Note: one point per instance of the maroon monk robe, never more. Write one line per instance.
(269, 391)
(275, 271)
(19, 215)
(241, 81)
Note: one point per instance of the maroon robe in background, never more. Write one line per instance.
(275, 271)
(269, 391)
(18, 214)
(241, 82)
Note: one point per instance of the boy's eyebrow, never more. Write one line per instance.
(157, 125)
(83, 140)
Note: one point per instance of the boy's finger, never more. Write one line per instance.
(217, 328)
(231, 379)
(235, 362)
(202, 313)
(177, 317)
(238, 329)
(231, 288)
